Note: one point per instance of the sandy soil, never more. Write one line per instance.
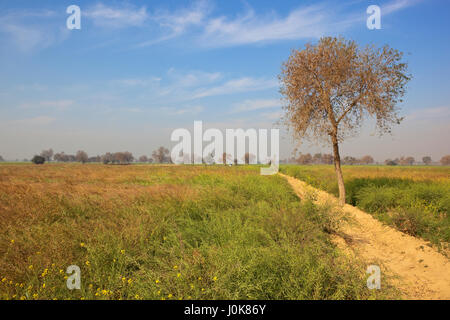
(418, 270)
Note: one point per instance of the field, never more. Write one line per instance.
(168, 232)
(415, 200)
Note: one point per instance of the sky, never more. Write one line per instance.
(137, 70)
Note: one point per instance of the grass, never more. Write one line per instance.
(415, 200)
(173, 232)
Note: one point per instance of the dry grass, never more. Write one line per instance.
(165, 232)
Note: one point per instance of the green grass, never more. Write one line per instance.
(181, 232)
(414, 200)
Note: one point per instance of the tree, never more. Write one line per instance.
(161, 155)
(390, 162)
(317, 158)
(327, 158)
(331, 87)
(445, 160)
(350, 160)
(122, 157)
(367, 160)
(406, 161)
(304, 158)
(81, 156)
(47, 154)
(249, 158)
(426, 160)
(107, 158)
(95, 159)
(226, 158)
(1, 159)
(38, 159)
(143, 159)
(60, 156)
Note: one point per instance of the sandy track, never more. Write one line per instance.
(419, 271)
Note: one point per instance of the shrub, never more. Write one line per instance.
(38, 160)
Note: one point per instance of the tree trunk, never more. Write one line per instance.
(337, 167)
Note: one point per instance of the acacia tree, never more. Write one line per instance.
(81, 156)
(331, 87)
(47, 154)
(161, 155)
(367, 159)
(445, 160)
(426, 160)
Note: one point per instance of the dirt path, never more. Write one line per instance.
(420, 272)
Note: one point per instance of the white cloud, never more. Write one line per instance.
(308, 22)
(178, 22)
(397, 5)
(256, 104)
(117, 17)
(246, 84)
(29, 30)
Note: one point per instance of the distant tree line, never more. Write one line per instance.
(160, 155)
(326, 158)
(320, 158)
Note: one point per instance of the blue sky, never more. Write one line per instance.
(139, 69)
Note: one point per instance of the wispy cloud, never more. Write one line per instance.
(246, 84)
(176, 23)
(397, 5)
(30, 30)
(308, 22)
(124, 16)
